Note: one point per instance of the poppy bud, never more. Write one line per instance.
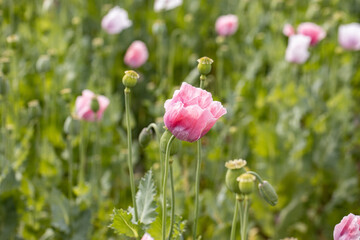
(145, 137)
(43, 64)
(268, 193)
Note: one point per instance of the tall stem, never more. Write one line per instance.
(241, 213)
(167, 154)
(81, 179)
(69, 149)
(155, 127)
(245, 219)
(233, 226)
(197, 179)
(172, 218)
(197, 183)
(127, 92)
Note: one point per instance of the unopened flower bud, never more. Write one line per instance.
(268, 193)
(130, 78)
(145, 137)
(204, 65)
(246, 183)
(95, 106)
(43, 64)
(235, 169)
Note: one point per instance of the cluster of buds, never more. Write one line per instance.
(241, 182)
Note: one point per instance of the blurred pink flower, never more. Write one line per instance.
(349, 36)
(147, 237)
(226, 25)
(348, 228)
(115, 21)
(288, 30)
(166, 4)
(297, 49)
(191, 113)
(315, 32)
(83, 106)
(136, 55)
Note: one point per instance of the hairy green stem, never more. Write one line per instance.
(245, 219)
(197, 179)
(167, 155)
(256, 175)
(70, 158)
(127, 92)
(233, 226)
(172, 218)
(197, 183)
(81, 176)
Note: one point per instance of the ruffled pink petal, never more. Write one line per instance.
(216, 109)
(103, 104)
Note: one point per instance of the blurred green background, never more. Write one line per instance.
(296, 125)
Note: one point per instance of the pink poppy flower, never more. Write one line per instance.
(315, 32)
(288, 30)
(297, 49)
(83, 107)
(349, 36)
(115, 21)
(191, 113)
(136, 55)
(348, 228)
(147, 237)
(166, 4)
(226, 25)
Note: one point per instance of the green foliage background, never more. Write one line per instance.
(298, 126)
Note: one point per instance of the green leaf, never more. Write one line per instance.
(121, 223)
(59, 211)
(145, 199)
(155, 228)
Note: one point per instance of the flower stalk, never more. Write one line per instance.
(166, 171)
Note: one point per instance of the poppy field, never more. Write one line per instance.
(180, 120)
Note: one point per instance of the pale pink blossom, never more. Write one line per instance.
(147, 237)
(288, 30)
(83, 106)
(136, 55)
(349, 36)
(191, 113)
(116, 20)
(226, 25)
(315, 32)
(166, 4)
(348, 228)
(297, 49)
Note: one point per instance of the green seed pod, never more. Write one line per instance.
(165, 139)
(268, 193)
(235, 169)
(43, 64)
(246, 183)
(130, 78)
(145, 137)
(95, 105)
(204, 65)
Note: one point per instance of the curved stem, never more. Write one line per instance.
(197, 183)
(256, 175)
(156, 130)
(132, 183)
(167, 154)
(172, 201)
(158, 137)
(233, 226)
